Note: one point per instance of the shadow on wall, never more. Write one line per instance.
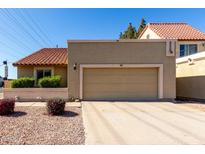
(191, 87)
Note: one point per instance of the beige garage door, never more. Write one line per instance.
(120, 83)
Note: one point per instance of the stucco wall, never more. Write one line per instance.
(120, 53)
(152, 35)
(25, 71)
(35, 94)
(191, 79)
(62, 71)
(28, 71)
(195, 69)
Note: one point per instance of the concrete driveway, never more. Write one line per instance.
(142, 123)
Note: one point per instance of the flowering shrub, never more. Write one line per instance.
(7, 106)
(55, 106)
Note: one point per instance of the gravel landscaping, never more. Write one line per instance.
(30, 125)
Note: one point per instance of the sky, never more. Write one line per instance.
(24, 31)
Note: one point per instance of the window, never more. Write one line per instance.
(148, 36)
(187, 49)
(40, 73)
(47, 72)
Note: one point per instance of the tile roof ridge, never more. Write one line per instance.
(167, 23)
(53, 48)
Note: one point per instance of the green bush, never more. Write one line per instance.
(49, 82)
(55, 106)
(24, 82)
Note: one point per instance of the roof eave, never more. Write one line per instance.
(191, 39)
(16, 65)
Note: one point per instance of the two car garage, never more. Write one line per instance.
(120, 83)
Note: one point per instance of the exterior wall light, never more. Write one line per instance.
(75, 66)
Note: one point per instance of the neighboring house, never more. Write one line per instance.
(190, 73)
(45, 62)
(190, 62)
(121, 70)
(105, 70)
(190, 40)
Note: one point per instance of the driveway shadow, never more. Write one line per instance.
(16, 114)
(188, 101)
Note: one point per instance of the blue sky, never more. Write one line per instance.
(23, 31)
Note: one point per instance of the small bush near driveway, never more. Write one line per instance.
(23, 83)
(7, 106)
(49, 82)
(55, 106)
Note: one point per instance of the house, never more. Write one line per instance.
(190, 40)
(190, 75)
(45, 62)
(121, 69)
(103, 70)
(190, 53)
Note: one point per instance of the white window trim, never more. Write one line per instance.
(160, 73)
(42, 68)
(188, 48)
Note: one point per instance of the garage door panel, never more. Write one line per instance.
(139, 94)
(120, 87)
(116, 79)
(120, 83)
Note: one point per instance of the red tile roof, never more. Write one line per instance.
(46, 56)
(180, 31)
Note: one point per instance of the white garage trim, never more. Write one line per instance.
(160, 73)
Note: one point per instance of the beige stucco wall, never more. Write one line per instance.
(120, 53)
(62, 71)
(191, 79)
(35, 94)
(195, 69)
(153, 35)
(25, 71)
(28, 71)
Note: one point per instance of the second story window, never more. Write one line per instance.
(187, 49)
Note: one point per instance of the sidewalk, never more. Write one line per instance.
(75, 104)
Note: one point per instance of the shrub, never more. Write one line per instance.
(24, 82)
(49, 82)
(7, 106)
(55, 106)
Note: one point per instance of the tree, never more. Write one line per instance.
(130, 33)
(141, 27)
